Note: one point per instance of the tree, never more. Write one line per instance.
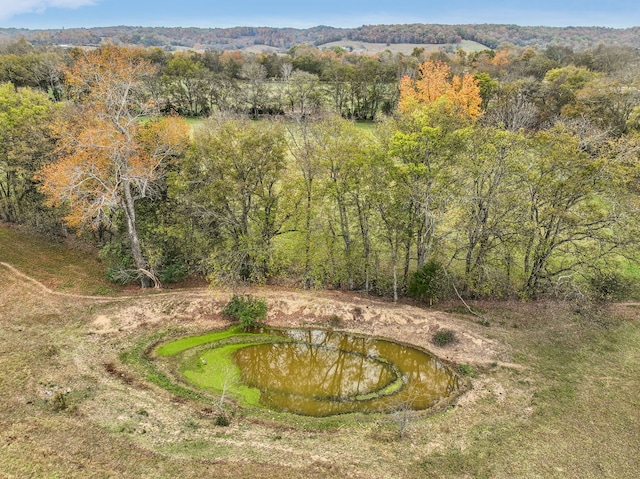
(393, 204)
(609, 102)
(436, 113)
(20, 70)
(487, 88)
(256, 92)
(488, 218)
(25, 144)
(300, 143)
(109, 157)
(513, 108)
(302, 93)
(434, 83)
(429, 143)
(369, 85)
(335, 77)
(571, 209)
(342, 149)
(230, 183)
(186, 85)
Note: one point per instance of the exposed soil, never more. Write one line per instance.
(288, 308)
(200, 308)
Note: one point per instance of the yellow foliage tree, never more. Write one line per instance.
(111, 149)
(434, 83)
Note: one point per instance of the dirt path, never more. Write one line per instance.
(48, 290)
(291, 308)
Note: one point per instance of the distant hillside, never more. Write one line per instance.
(281, 39)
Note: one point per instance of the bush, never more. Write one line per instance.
(246, 309)
(173, 272)
(429, 283)
(609, 286)
(119, 275)
(59, 402)
(222, 420)
(335, 321)
(119, 265)
(442, 337)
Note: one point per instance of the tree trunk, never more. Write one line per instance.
(307, 238)
(136, 250)
(366, 240)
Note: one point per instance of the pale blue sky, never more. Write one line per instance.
(303, 14)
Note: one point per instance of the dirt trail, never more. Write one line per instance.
(291, 308)
(48, 290)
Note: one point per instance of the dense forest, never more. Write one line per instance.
(502, 173)
(281, 39)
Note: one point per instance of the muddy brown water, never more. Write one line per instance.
(322, 373)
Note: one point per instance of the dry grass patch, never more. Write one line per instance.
(56, 265)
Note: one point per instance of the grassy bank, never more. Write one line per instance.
(561, 402)
(59, 266)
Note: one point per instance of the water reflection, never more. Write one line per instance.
(317, 372)
(322, 373)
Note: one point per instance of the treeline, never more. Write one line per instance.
(304, 81)
(308, 80)
(496, 174)
(491, 35)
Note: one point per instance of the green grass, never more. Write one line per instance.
(138, 358)
(222, 374)
(366, 125)
(55, 264)
(209, 369)
(631, 272)
(581, 385)
(177, 346)
(195, 121)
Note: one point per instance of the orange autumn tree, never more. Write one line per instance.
(112, 146)
(435, 83)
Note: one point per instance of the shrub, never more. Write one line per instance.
(335, 321)
(246, 309)
(222, 420)
(119, 265)
(609, 286)
(442, 337)
(429, 283)
(119, 275)
(173, 272)
(59, 402)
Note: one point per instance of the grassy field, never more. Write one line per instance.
(368, 47)
(406, 48)
(562, 401)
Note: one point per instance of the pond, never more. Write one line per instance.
(311, 372)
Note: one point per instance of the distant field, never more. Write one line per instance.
(366, 47)
(406, 48)
(262, 49)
